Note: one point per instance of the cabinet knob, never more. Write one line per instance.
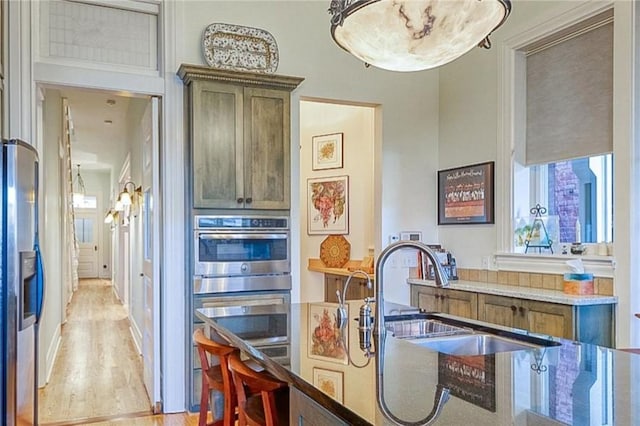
(249, 200)
(240, 200)
(522, 310)
(513, 308)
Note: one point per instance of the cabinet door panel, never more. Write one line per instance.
(217, 144)
(425, 298)
(332, 283)
(498, 310)
(549, 318)
(461, 303)
(267, 150)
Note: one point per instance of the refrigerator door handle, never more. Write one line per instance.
(39, 282)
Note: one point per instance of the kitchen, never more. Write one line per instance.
(418, 132)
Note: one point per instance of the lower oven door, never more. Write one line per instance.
(261, 318)
(258, 324)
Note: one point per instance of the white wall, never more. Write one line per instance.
(134, 136)
(357, 125)
(51, 221)
(468, 109)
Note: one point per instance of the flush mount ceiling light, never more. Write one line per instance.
(414, 35)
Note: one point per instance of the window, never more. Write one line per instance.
(578, 192)
(84, 230)
(562, 159)
(85, 202)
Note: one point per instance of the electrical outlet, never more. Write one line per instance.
(485, 262)
(411, 260)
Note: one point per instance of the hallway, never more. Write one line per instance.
(98, 371)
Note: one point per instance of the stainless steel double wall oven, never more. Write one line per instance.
(242, 275)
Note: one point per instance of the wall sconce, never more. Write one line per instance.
(110, 216)
(126, 197)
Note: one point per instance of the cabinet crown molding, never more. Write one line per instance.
(189, 73)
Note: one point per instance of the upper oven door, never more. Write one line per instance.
(228, 254)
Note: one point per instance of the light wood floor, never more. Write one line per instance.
(180, 419)
(98, 372)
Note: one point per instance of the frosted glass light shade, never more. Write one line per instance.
(125, 197)
(414, 35)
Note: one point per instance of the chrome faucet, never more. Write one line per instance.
(442, 280)
(341, 314)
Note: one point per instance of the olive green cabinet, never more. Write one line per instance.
(239, 133)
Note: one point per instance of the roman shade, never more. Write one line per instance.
(569, 98)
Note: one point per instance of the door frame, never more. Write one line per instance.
(29, 71)
(118, 250)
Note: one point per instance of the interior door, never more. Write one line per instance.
(151, 251)
(87, 235)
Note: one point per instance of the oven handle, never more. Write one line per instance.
(203, 236)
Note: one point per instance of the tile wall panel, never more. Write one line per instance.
(99, 34)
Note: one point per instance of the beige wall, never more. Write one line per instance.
(357, 125)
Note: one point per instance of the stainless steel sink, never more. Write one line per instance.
(473, 344)
(423, 327)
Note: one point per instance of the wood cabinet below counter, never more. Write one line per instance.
(583, 323)
(460, 303)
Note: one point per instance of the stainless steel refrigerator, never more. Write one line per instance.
(21, 283)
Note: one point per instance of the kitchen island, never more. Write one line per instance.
(571, 383)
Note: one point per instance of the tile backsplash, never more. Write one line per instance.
(602, 286)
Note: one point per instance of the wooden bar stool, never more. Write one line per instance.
(215, 377)
(263, 400)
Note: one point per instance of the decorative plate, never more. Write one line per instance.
(335, 251)
(238, 48)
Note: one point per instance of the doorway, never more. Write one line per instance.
(105, 129)
(350, 130)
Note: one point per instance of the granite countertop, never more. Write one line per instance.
(572, 383)
(540, 294)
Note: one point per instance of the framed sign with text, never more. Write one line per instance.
(465, 195)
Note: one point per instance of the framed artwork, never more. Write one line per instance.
(465, 195)
(471, 378)
(326, 338)
(327, 152)
(328, 205)
(329, 382)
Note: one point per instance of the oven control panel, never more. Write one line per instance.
(241, 222)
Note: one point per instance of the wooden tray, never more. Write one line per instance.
(335, 251)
